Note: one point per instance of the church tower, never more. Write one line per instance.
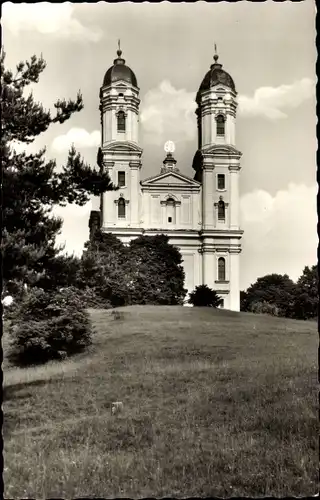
(217, 165)
(119, 111)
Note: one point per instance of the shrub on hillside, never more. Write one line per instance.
(264, 307)
(203, 296)
(48, 326)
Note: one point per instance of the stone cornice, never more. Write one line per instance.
(221, 233)
(165, 202)
(234, 168)
(163, 188)
(207, 165)
(122, 147)
(235, 250)
(223, 150)
(135, 164)
(108, 164)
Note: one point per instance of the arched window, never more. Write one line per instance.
(121, 121)
(220, 125)
(221, 269)
(121, 208)
(221, 210)
(171, 211)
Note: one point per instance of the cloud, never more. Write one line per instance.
(77, 136)
(273, 102)
(47, 19)
(280, 232)
(75, 229)
(168, 113)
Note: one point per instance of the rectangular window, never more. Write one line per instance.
(121, 119)
(121, 208)
(221, 181)
(169, 219)
(221, 211)
(221, 269)
(220, 125)
(121, 179)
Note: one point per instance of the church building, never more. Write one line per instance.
(200, 215)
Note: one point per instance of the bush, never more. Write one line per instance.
(203, 296)
(49, 326)
(265, 308)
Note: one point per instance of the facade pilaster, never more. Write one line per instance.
(234, 196)
(234, 299)
(134, 191)
(208, 194)
(208, 266)
(108, 215)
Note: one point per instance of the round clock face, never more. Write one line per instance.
(169, 147)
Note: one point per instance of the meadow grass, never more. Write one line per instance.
(215, 404)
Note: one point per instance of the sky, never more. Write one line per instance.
(269, 50)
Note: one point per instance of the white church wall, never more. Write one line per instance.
(186, 204)
(156, 212)
(156, 219)
(189, 268)
(234, 296)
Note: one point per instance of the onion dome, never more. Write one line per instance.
(119, 71)
(215, 76)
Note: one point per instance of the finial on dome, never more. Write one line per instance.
(215, 57)
(119, 51)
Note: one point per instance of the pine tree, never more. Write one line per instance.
(31, 185)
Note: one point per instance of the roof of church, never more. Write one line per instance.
(216, 75)
(119, 71)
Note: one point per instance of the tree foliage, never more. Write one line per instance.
(203, 296)
(306, 303)
(278, 295)
(157, 275)
(148, 271)
(274, 289)
(31, 184)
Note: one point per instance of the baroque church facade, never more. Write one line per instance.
(200, 215)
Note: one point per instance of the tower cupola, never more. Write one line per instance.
(214, 76)
(119, 71)
(216, 107)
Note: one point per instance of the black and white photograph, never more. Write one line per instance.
(159, 249)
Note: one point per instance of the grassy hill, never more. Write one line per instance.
(215, 404)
